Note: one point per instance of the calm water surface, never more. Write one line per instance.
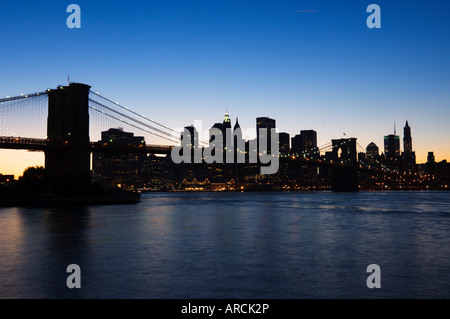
(232, 245)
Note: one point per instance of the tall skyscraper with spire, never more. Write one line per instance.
(226, 132)
(238, 142)
(407, 140)
(226, 124)
(409, 157)
(236, 125)
(392, 145)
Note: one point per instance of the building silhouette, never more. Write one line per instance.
(372, 150)
(221, 137)
(284, 143)
(226, 130)
(238, 143)
(407, 140)
(193, 136)
(408, 156)
(124, 170)
(305, 144)
(391, 146)
(268, 124)
(431, 164)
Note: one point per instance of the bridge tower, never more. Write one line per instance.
(67, 163)
(345, 177)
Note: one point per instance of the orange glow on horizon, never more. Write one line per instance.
(14, 162)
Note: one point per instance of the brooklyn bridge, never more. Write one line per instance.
(62, 122)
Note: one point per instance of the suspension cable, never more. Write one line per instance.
(137, 114)
(139, 128)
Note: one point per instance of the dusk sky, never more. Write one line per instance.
(182, 61)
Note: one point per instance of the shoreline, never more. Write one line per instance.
(107, 199)
(135, 198)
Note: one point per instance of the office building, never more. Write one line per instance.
(407, 140)
(284, 143)
(372, 150)
(409, 157)
(119, 170)
(268, 124)
(305, 144)
(391, 146)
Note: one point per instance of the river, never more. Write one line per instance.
(232, 245)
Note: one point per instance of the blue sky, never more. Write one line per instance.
(181, 61)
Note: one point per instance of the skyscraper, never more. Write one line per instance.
(236, 125)
(372, 150)
(392, 146)
(305, 144)
(223, 129)
(238, 141)
(409, 157)
(430, 157)
(226, 124)
(309, 139)
(431, 164)
(226, 131)
(268, 124)
(407, 140)
(296, 144)
(193, 134)
(119, 170)
(283, 143)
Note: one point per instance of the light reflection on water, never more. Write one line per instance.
(232, 245)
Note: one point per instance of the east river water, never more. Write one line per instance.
(232, 245)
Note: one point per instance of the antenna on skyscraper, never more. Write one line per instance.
(395, 131)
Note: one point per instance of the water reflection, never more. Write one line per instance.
(288, 245)
(37, 245)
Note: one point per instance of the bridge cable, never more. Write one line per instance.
(137, 114)
(130, 118)
(140, 128)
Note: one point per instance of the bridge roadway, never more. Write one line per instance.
(37, 144)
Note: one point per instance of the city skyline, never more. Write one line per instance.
(292, 137)
(183, 62)
(37, 158)
(218, 152)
